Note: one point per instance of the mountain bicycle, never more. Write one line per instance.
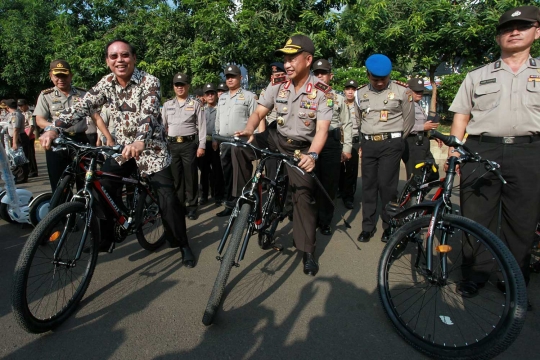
(57, 262)
(251, 215)
(422, 273)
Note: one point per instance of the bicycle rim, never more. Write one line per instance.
(151, 232)
(430, 313)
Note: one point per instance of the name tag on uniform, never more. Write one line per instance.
(281, 101)
(384, 116)
(489, 81)
(534, 78)
(190, 108)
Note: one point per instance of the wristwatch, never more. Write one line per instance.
(50, 127)
(313, 155)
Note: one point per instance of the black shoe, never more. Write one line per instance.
(224, 212)
(33, 175)
(192, 215)
(203, 200)
(310, 265)
(467, 288)
(348, 204)
(386, 235)
(366, 235)
(188, 259)
(326, 230)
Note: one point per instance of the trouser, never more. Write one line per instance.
(302, 186)
(57, 161)
(92, 138)
(211, 173)
(32, 157)
(184, 170)
(327, 170)
(415, 152)
(380, 177)
(162, 182)
(481, 197)
(348, 175)
(21, 171)
(227, 167)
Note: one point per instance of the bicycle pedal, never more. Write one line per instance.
(277, 247)
(219, 258)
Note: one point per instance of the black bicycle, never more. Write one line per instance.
(57, 262)
(424, 277)
(251, 215)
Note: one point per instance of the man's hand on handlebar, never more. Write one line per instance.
(245, 133)
(306, 163)
(47, 138)
(133, 150)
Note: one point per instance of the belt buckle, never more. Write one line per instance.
(71, 133)
(179, 139)
(377, 137)
(208, 137)
(508, 139)
(289, 141)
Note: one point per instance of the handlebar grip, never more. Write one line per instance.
(448, 140)
(216, 137)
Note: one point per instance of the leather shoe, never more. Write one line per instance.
(224, 212)
(310, 265)
(326, 230)
(192, 215)
(188, 259)
(467, 288)
(203, 200)
(386, 235)
(348, 204)
(366, 235)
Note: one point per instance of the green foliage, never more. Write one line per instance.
(449, 87)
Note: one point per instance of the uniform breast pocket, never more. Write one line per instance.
(487, 96)
(240, 108)
(393, 104)
(170, 111)
(56, 109)
(531, 98)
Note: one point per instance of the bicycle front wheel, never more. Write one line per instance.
(239, 230)
(47, 290)
(431, 311)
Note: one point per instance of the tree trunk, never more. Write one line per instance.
(433, 105)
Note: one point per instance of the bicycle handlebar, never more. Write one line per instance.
(448, 140)
(62, 141)
(236, 141)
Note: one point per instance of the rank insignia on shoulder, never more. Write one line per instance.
(279, 80)
(401, 83)
(532, 62)
(47, 91)
(323, 87)
(497, 64)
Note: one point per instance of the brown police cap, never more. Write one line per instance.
(60, 67)
(222, 87)
(181, 78)
(521, 13)
(416, 84)
(232, 70)
(296, 44)
(351, 83)
(322, 64)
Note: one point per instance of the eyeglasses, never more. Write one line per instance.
(124, 55)
(521, 27)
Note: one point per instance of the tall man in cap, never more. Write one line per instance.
(303, 119)
(210, 163)
(50, 103)
(19, 139)
(29, 128)
(333, 152)
(348, 175)
(184, 121)
(497, 105)
(234, 108)
(134, 98)
(417, 147)
(385, 114)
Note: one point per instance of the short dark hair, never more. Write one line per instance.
(131, 48)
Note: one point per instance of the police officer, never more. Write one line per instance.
(29, 127)
(349, 169)
(221, 88)
(333, 152)
(184, 121)
(386, 116)
(417, 146)
(17, 135)
(303, 119)
(234, 108)
(210, 163)
(497, 105)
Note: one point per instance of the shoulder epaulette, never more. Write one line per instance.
(478, 68)
(401, 83)
(363, 86)
(279, 80)
(199, 101)
(323, 87)
(47, 91)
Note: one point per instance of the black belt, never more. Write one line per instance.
(506, 140)
(295, 142)
(180, 139)
(356, 139)
(382, 136)
(416, 134)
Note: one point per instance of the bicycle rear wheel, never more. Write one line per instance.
(239, 230)
(429, 312)
(150, 232)
(45, 291)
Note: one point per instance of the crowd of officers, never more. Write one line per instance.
(382, 123)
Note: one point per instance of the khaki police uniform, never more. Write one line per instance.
(417, 145)
(16, 121)
(385, 118)
(294, 129)
(504, 127)
(29, 121)
(210, 163)
(349, 169)
(232, 114)
(329, 161)
(50, 104)
(186, 132)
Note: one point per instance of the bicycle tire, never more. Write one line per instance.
(499, 330)
(39, 209)
(237, 234)
(63, 192)
(25, 306)
(264, 240)
(151, 231)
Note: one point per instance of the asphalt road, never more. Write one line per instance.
(144, 305)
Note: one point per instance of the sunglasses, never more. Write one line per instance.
(519, 27)
(124, 55)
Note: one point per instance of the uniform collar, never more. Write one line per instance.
(375, 90)
(58, 93)
(531, 63)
